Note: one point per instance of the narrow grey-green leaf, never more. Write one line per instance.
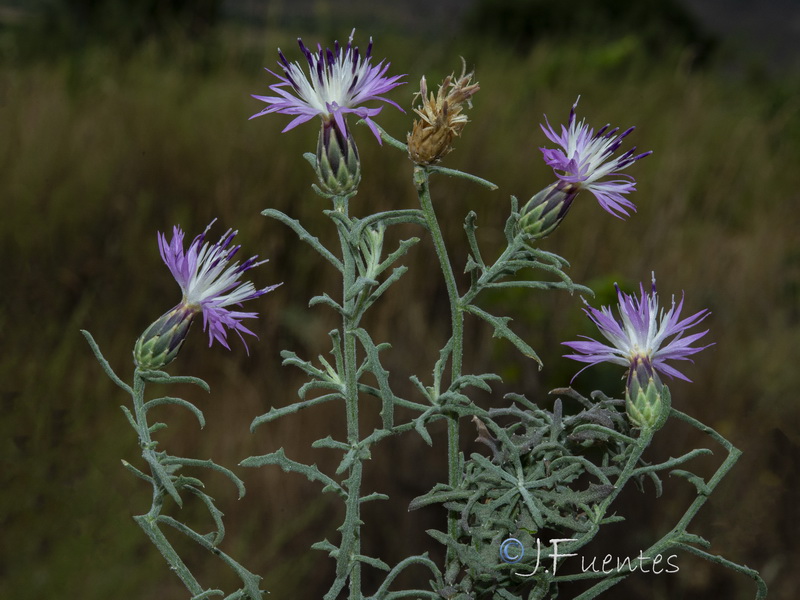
(276, 413)
(311, 472)
(216, 514)
(166, 378)
(178, 402)
(137, 472)
(207, 464)
(164, 478)
(327, 300)
(373, 562)
(104, 363)
(295, 225)
(381, 375)
(501, 330)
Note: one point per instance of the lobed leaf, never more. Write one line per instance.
(314, 242)
(207, 464)
(311, 472)
(501, 330)
(276, 413)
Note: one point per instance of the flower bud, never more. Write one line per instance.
(160, 343)
(544, 212)
(338, 167)
(647, 400)
(371, 247)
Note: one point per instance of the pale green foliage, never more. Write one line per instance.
(546, 471)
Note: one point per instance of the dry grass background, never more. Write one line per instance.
(99, 153)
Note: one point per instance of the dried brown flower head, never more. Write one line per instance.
(441, 118)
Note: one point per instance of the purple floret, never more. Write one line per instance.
(338, 82)
(586, 157)
(640, 334)
(210, 281)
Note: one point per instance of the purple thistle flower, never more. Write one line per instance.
(641, 335)
(338, 81)
(210, 281)
(586, 157)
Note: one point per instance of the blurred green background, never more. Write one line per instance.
(120, 119)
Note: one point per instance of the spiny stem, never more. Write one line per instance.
(457, 324)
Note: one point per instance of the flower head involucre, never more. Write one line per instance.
(210, 281)
(441, 117)
(338, 82)
(586, 158)
(640, 337)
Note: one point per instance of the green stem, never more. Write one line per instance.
(383, 591)
(457, 323)
(491, 273)
(678, 537)
(142, 430)
(642, 442)
(148, 521)
(351, 531)
(168, 552)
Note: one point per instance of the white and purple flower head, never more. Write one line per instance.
(210, 281)
(640, 337)
(586, 158)
(339, 81)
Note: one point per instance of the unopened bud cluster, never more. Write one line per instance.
(441, 118)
